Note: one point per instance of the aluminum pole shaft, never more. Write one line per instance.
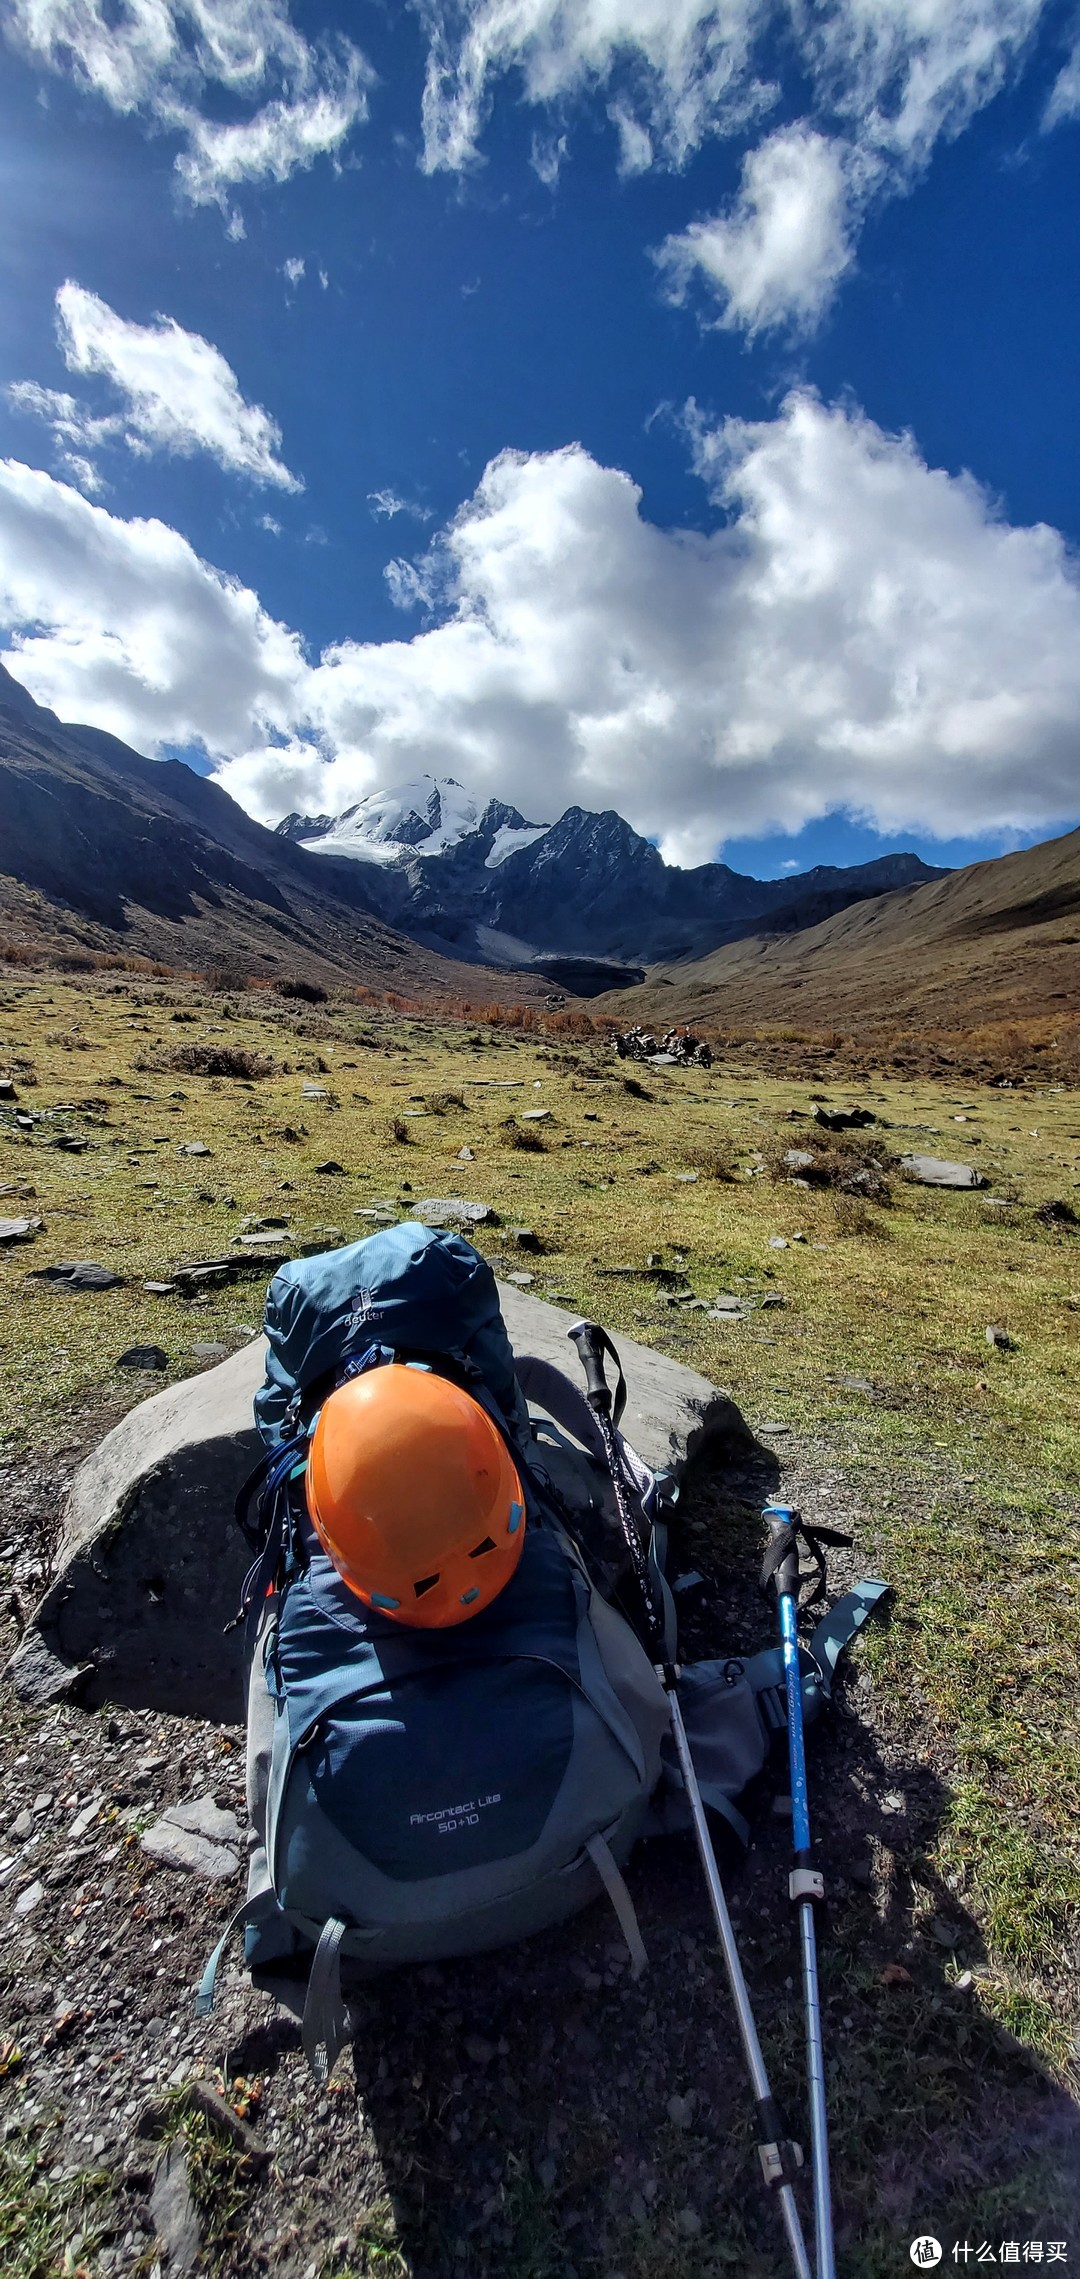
(748, 2033)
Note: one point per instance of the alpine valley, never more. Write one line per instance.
(412, 888)
(571, 897)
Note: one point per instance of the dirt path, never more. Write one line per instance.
(528, 2115)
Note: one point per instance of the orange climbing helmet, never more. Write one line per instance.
(415, 1496)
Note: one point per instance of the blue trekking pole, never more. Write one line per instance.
(806, 1885)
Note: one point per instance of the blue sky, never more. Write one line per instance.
(712, 387)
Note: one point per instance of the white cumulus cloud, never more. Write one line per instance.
(857, 631)
(164, 58)
(777, 255)
(180, 394)
(120, 624)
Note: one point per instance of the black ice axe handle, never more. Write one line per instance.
(594, 1347)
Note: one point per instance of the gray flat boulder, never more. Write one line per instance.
(78, 1274)
(671, 1413)
(454, 1211)
(151, 1563)
(933, 1171)
(18, 1230)
(198, 1837)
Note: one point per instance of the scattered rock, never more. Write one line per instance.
(799, 1159)
(7, 1089)
(173, 2212)
(855, 1384)
(678, 1047)
(933, 1171)
(454, 1210)
(160, 1289)
(844, 1119)
(198, 1837)
(313, 1091)
(79, 1274)
(331, 1168)
(687, 1178)
(524, 1238)
(465, 1155)
(19, 1230)
(522, 1281)
(999, 1339)
(194, 1147)
(778, 1242)
(536, 1115)
(210, 1350)
(143, 1357)
(680, 2111)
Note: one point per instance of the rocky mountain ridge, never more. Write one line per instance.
(103, 849)
(488, 883)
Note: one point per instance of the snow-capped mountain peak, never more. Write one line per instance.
(421, 818)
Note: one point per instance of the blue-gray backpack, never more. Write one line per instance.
(419, 1794)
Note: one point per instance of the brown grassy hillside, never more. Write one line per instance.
(986, 960)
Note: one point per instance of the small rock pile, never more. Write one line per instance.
(677, 1048)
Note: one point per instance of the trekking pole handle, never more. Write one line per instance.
(589, 1341)
(784, 1521)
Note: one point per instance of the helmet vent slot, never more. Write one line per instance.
(488, 1544)
(426, 1583)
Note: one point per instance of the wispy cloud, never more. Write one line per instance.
(1064, 100)
(387, 503)
(164, 58)
(887, 79)
(179, 395)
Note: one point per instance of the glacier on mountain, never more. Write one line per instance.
(421, 818)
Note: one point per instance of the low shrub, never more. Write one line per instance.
(851, 1164)
(525, 1136)
(221, 1060)
(308, 992)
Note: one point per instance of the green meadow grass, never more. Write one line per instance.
(966, 1457)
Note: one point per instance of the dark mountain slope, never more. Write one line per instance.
(586, 886)
(147, 855)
